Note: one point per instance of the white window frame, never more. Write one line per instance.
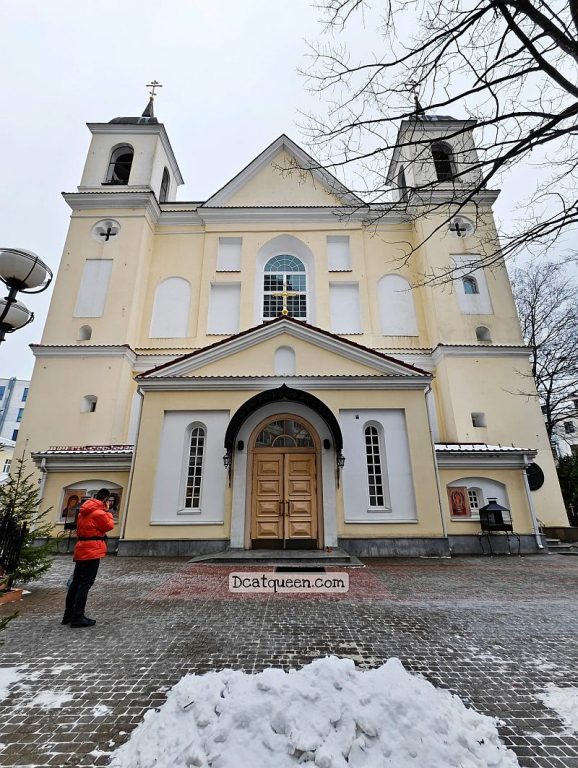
(300, 293)
(386, 506)
(183, 508)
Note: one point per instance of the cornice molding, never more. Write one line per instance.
(287, 214)
(87, 463)
(260, 383)
(55, 350)
(98, 199)
(486, 350)
(483, 459)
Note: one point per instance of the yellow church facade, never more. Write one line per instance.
(255, 370)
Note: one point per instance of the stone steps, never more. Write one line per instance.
(557, 547)
(283, 557)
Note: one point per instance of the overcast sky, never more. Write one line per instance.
(230, 87)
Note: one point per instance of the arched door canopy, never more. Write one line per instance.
(283, 393)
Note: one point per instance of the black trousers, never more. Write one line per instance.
(82, 580)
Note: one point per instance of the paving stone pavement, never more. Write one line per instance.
(493, 630)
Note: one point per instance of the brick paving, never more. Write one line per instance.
(493, 630)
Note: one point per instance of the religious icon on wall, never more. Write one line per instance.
(113, 503)
(459, 502)
(71, 503)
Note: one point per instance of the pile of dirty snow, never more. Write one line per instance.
(564, 701)
(326, 715)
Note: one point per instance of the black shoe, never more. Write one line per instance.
(83, 622)
(66, 619)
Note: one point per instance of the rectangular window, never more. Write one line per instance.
(229, 254)
(14, 434)
(474, 500)
(25, 394)
(345, 308)
(2, 390)
(224, 308)
(93, 288)
(338, 253)
(569, 427)
(478, 419)
(7, 464)
(20, 414)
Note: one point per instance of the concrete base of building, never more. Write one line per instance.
(170, 547)
(394, 547)
(397, 547)
(480, 545)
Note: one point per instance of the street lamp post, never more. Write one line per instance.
(20, 271)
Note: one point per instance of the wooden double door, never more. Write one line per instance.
(284, 497)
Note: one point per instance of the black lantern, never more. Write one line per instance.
(495, 517)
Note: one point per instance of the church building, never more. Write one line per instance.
(261, 370)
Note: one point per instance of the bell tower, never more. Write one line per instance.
(130, 154)
(433, 153)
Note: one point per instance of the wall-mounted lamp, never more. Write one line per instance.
(340, 459)
(227, 461)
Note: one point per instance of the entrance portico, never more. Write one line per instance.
(284, 493)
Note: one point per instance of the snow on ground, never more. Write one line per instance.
(564, 701)
(8, 676)
(100, 710)
(50, 699)
(327, 715)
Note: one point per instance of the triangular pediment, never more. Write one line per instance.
(283, 175)
(317, 353)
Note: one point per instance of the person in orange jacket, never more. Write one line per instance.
(94, 521)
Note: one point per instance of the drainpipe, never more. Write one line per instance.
(43, 473)
(131, 473)
(531, 505)
(429, 391)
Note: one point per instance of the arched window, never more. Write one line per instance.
(120, 165)
(195, 468)
(88, 404)
(170, 316)
(483, 333)
(165, 184)
(284, 361)
(284, 288)
(85, 333)
(443, 161)
(470, 285)
(284, 433)
(374, 467)
(396, 308)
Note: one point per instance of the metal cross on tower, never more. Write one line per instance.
(154, 85)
